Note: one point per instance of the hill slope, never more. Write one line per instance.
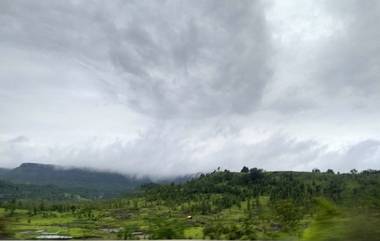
(249, 205)
(10, 191)
(89, 181)
(277, 205)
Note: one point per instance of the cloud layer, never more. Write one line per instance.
(175, 87)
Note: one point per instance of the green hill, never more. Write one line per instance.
(252, 204)
(86, 182)
(10, 191)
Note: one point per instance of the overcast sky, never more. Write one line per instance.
(175, 87)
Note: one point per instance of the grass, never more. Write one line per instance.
(24, 226)
(193, 233)
(148, 219)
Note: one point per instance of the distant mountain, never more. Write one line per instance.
(44, 178)
(90, 182)
(4, 171)
(11, 191)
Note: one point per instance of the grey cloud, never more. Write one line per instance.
(364, 154)
(68, 28)
(196, 60)
(349, 63)
(164, 153)
(19, 139)
(172, 58)
(327, 59)
(190, 85)
(284, 153)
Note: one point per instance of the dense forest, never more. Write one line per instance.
(251, 204)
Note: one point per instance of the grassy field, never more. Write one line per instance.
(145, 221)
(221, 205)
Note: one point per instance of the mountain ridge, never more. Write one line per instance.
(105, 183)
(90, 183)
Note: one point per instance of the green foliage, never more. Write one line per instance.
(245, 169)
(166, 229)
(230, 232)
(288, 214)
(252, 204)
(333, 224)
(4, 231)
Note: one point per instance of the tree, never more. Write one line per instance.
(354, 171)
(316, 170)
(4, 233)
(167, 229)
(334, 189)
(255, 174)
(245, 169)
(330, 171)
(287, 213)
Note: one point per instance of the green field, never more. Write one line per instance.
(221, 205)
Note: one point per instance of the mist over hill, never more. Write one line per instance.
(42, 174)
(74, 181)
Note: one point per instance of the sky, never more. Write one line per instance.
(167, 88)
